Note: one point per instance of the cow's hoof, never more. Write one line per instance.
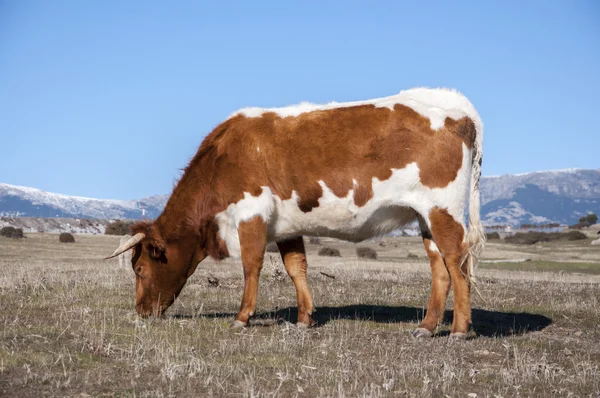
(302, 325)
(305, 325)
(458, 336)
(421, 333)
(237, 324)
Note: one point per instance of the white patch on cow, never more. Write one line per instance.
(247, 208)
(395, 203)
(433, 247)
(435, 104)
(258, 149)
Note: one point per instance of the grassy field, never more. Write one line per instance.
(68, 326)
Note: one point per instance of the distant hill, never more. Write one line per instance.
(32, 202)
(540, 197)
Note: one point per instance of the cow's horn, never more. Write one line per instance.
(134, 240)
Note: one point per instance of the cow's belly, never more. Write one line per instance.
(339, 217)
(339, 221)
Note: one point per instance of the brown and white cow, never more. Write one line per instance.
(344, 170)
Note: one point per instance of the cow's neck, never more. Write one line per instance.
(189, 207)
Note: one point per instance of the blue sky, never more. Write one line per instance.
(110, 99)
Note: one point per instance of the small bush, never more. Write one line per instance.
(272, 247)
(313, 240)
(492, 235)
(580, 225)
(574, 235)
(366, 252)
(527, 238)
(530, 238)
(549, 225)
(66, 237)
(590, 219)
(329, 252)
(118, 227)
(410, 255)
(12, 232)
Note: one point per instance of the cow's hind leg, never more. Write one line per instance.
(448, 235)
(440, 285)
(253, 240)
(294, 257)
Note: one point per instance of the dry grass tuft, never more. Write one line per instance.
(366, 252)
(66, 237)
(329, 252)
(492, 236)
(532, 237)
(12, 232)
(118, 227)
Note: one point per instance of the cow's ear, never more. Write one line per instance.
(154, 242)
(157, 252)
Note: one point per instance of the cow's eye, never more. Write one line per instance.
(138, 270)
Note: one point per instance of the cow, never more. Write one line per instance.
(350, 171)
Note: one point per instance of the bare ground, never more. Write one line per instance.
(68, 326)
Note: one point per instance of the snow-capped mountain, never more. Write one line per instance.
(32, 202)
(540, 197)
(533, 198)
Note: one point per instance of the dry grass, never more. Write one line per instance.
(68, 328)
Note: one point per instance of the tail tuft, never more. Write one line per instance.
(476, 236)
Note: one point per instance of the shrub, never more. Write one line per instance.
(574, 235)
(313, 240)
(590, 219)
(527, 238)
(366, 252)
(410, 255)
(118, 227)
(530, 238)
(492, 235)
(66, 237)
(12, 232)
(329, 252)
(580, 225)
(549, 225)
(272, 247)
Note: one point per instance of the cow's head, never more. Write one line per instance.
(162, 266)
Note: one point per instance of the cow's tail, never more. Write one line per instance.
(475, 238)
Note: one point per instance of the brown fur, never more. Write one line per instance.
(253, 239)
(293, 255)
(440, 284)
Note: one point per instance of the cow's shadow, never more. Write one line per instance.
(485, 323)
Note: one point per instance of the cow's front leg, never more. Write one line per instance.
(294, 258)
(253, 239)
